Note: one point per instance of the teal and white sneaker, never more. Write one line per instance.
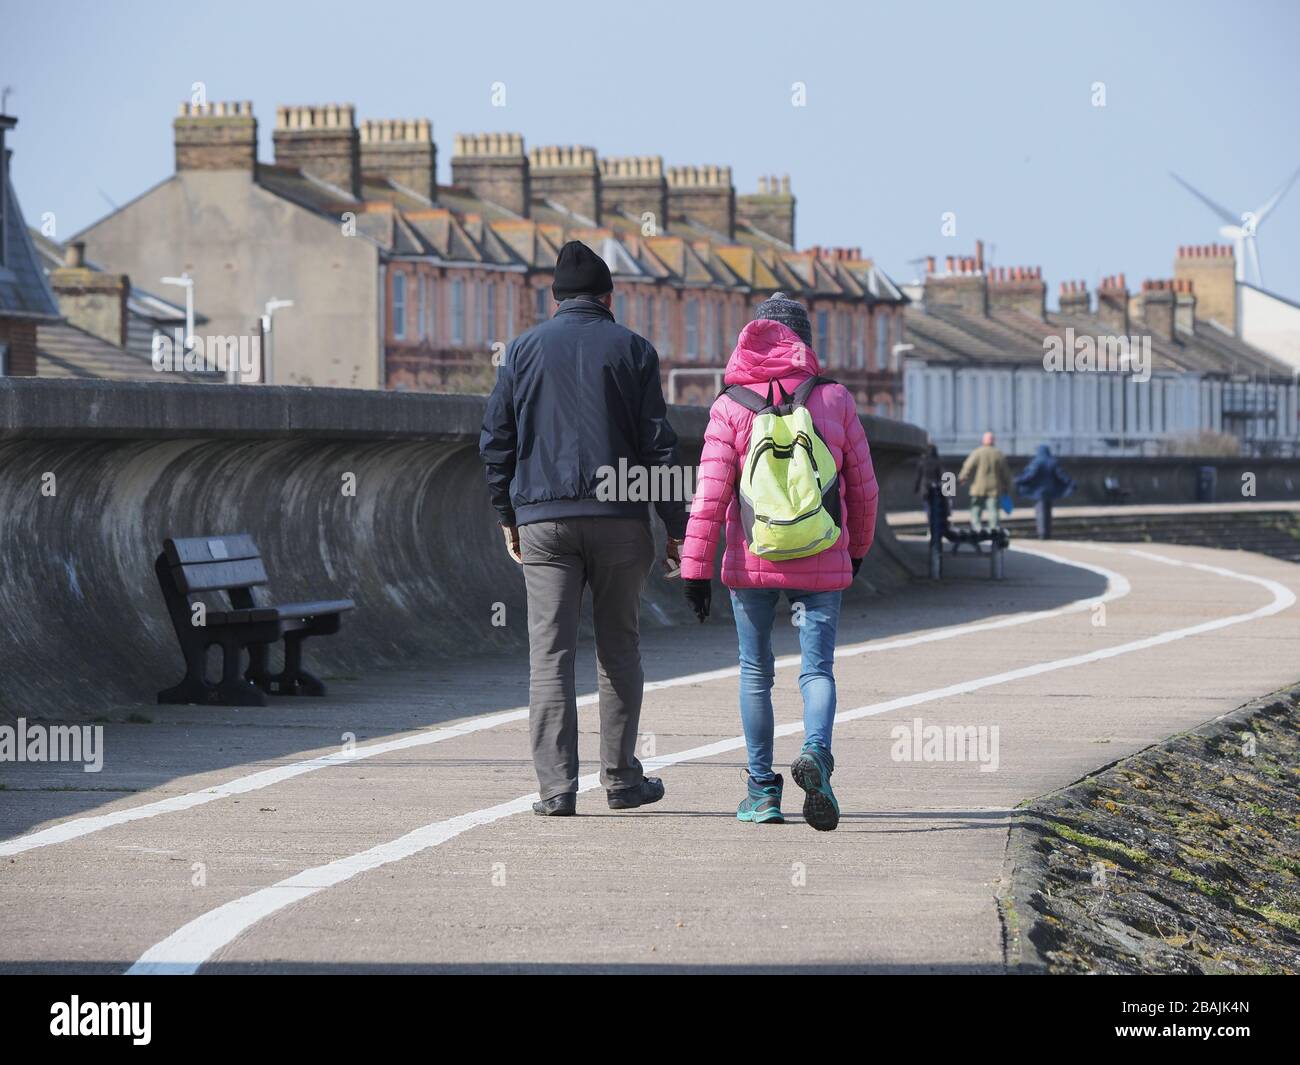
(762, 804)
(812, 771)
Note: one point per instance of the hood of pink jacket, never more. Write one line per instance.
(767, 351)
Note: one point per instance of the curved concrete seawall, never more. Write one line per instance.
(93, 477)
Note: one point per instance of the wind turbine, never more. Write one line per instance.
(1242, 229)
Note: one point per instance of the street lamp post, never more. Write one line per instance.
(187, 283)
(272, 305)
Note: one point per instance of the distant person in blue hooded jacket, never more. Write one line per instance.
(1044, 481)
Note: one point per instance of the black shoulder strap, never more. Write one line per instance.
(748, 399)
(805, 389)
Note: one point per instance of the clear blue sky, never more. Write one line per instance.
(913, 109)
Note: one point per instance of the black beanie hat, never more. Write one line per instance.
(780, 308)
(579, 271)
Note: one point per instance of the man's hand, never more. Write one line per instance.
(672, 560)
(511, 533)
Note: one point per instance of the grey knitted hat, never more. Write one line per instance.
(781, 308)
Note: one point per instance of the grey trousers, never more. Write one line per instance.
(613, 556)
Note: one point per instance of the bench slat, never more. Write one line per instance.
(217, 576)
(233, 548)
(287, 612)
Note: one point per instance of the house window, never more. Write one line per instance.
(491, 311)
(859, 344)
(692, 329)
(664, 326)
(458, 311)
(399, 306)
(720, 345)
(882, 342)
(822, 330)
(510, 311)
(620, 308)
(543, 305)
(433, 309)
(424, 310)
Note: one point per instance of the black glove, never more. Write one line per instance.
(856, 563)
(699, 593)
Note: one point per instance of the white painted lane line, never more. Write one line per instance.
(1117, 587)
(195, 943)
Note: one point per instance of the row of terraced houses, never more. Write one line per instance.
(400, 282)
(403, 283)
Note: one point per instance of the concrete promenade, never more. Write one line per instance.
(385, 827)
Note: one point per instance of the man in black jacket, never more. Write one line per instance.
(577, 404)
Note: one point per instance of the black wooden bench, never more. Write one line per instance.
(941, 529)
(190, 568)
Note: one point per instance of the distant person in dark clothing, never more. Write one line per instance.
(1044, 481)
(929, 469)
(929, 480)
(578, 397)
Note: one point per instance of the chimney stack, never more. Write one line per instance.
(771, 209)
(322, 141)
(1018, 288)
(1211, 270)
(961, 288)
(216, 136)
(634, 185)
(1184, 306)
(92, 301)
(703, 195)
(401, 150)
(1158, 308)
(493, 167)
(1075, 300)
(1112, 305)
(567, 175)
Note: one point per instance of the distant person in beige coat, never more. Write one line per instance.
(990, 478)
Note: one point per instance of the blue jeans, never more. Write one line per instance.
(755, 610)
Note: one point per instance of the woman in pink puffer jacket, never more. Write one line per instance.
(777, 346)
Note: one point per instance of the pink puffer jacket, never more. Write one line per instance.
(769, 351)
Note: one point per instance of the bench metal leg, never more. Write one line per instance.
(293, 679)
(995, 562)
(233, 690)
(257, 671)
(192, 688)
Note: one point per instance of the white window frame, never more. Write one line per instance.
(458, 311)
(399, 305)
(692, 339)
